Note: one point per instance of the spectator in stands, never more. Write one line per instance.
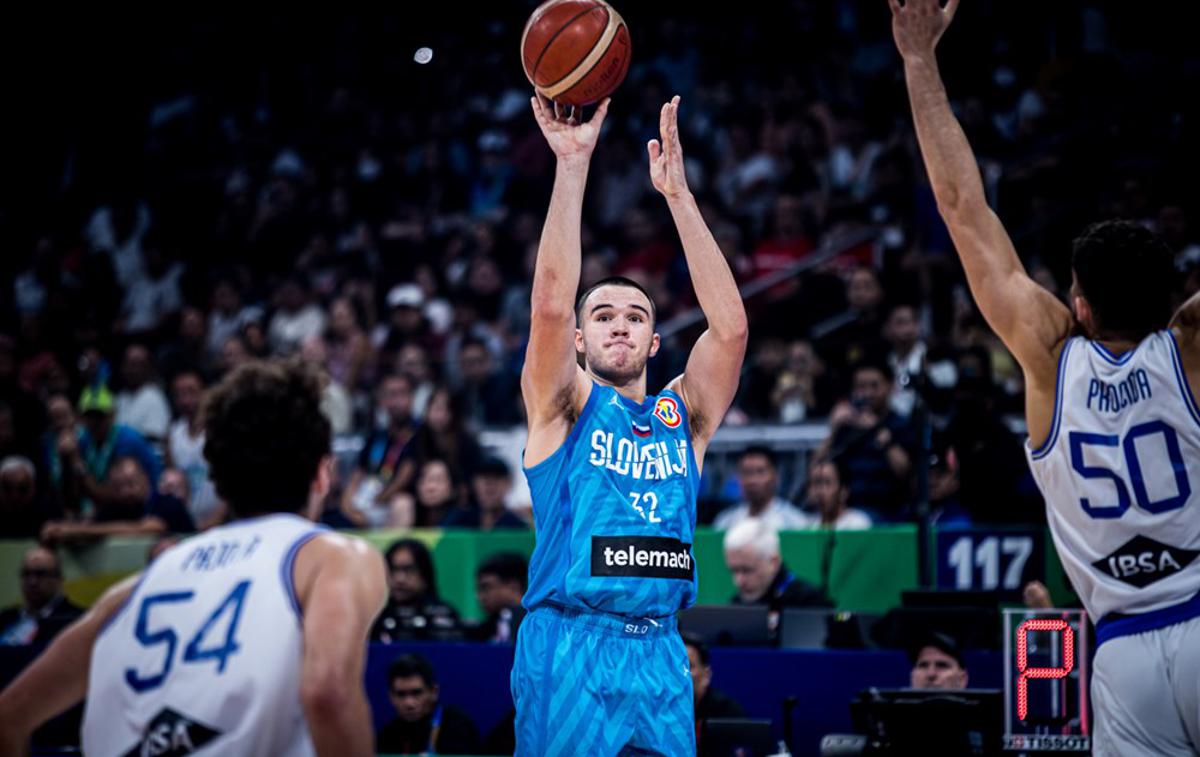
(906, 357)
(131, 509)
(336, 403)
(45, 611)
(423, 725)
(296, 317)
(351, 359)
(141, 404)
(413, 361)
(709, 702)
(499, 586)
(185, 449)
(752, 556)
(938, 663)
(853, 336)
(188, 350)
(228, 315)
(437, 493)
(486, 394)
(872, 444)
(406, 324)
(490, 486)
(801, 387)
(87, 460)
(22, 512)
(414, 610)
(444, 435)
(758, 477)
(370, 498)
(827, 496)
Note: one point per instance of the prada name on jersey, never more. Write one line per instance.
(1113, 398)
(639, 460)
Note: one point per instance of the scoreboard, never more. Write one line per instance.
(1046, 681)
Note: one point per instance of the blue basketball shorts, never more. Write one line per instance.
(597, 684)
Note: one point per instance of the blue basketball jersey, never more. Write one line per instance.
(615, 509)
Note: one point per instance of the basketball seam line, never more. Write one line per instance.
(597, 53)
(549, 42)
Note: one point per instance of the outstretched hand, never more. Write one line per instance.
(666, 157)
(917, 25)
(567, 136)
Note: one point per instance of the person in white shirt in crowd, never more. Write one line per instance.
(827, 497)
(185, 449)
(228, 315)
(296, 320)
(758, 476)
(902, 331)
(141, 403)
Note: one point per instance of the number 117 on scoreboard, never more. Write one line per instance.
(1046, 681)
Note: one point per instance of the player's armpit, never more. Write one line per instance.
(710, 381)
(58, 678)
(341, 588)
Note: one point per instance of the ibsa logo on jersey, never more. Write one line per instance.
(667, 411)
(171, 734)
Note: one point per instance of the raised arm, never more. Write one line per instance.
(714, 366)
(552, 384)
(1031, 321)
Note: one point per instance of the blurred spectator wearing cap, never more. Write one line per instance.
(827, 496)
(373, 487)
(296, 317)
(185, 449)
(88, 459)
(490, 484)
(937, 663)
(709, 702)
(500, 583)
(414, 609)
(22, 510)
(758, 478)
(131, 509)
(423, 724)
(406, 323)
(44, 611)
(141, 404)
(872, 444)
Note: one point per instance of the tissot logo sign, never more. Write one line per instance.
(170, 734)
(1141, 561)
(645, 556)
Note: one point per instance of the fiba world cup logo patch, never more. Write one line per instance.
(667, 411)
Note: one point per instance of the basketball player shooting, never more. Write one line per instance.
(614, 473)
(248, 639)
(1114, 429)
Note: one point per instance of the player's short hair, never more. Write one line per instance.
(759, 450)
(507, 566)
(694, 641)
(421, 557)
(409, 665)
(619, 281)
(265, 436)
(755, 533)
(1126, 273)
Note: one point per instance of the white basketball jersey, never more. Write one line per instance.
(1120, 472)
(205, 656)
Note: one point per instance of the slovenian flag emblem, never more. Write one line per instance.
(640, 430)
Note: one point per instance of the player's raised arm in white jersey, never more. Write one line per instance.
(341, 587)
(710, 379)
(553, 386)
(58, 678)
(1030, 320)
(1186, 325)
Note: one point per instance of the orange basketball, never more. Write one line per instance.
(575, 52)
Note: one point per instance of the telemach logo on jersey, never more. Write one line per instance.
(170, 734)
(1141, 561)
(643, 556)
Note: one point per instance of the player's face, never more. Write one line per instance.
(701, 674)
(935, 669)
(752, 573)
(412, 697)
(616, 334)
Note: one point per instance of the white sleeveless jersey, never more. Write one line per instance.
(1120, 472)
(205, 656)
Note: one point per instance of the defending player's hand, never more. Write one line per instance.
(666, 157)
(917, 25)
(567, 136)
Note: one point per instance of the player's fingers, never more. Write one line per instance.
(663, 115)
(894, 5)
(538, 114)
(950, 9)
(654, 148)
(601, 112)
